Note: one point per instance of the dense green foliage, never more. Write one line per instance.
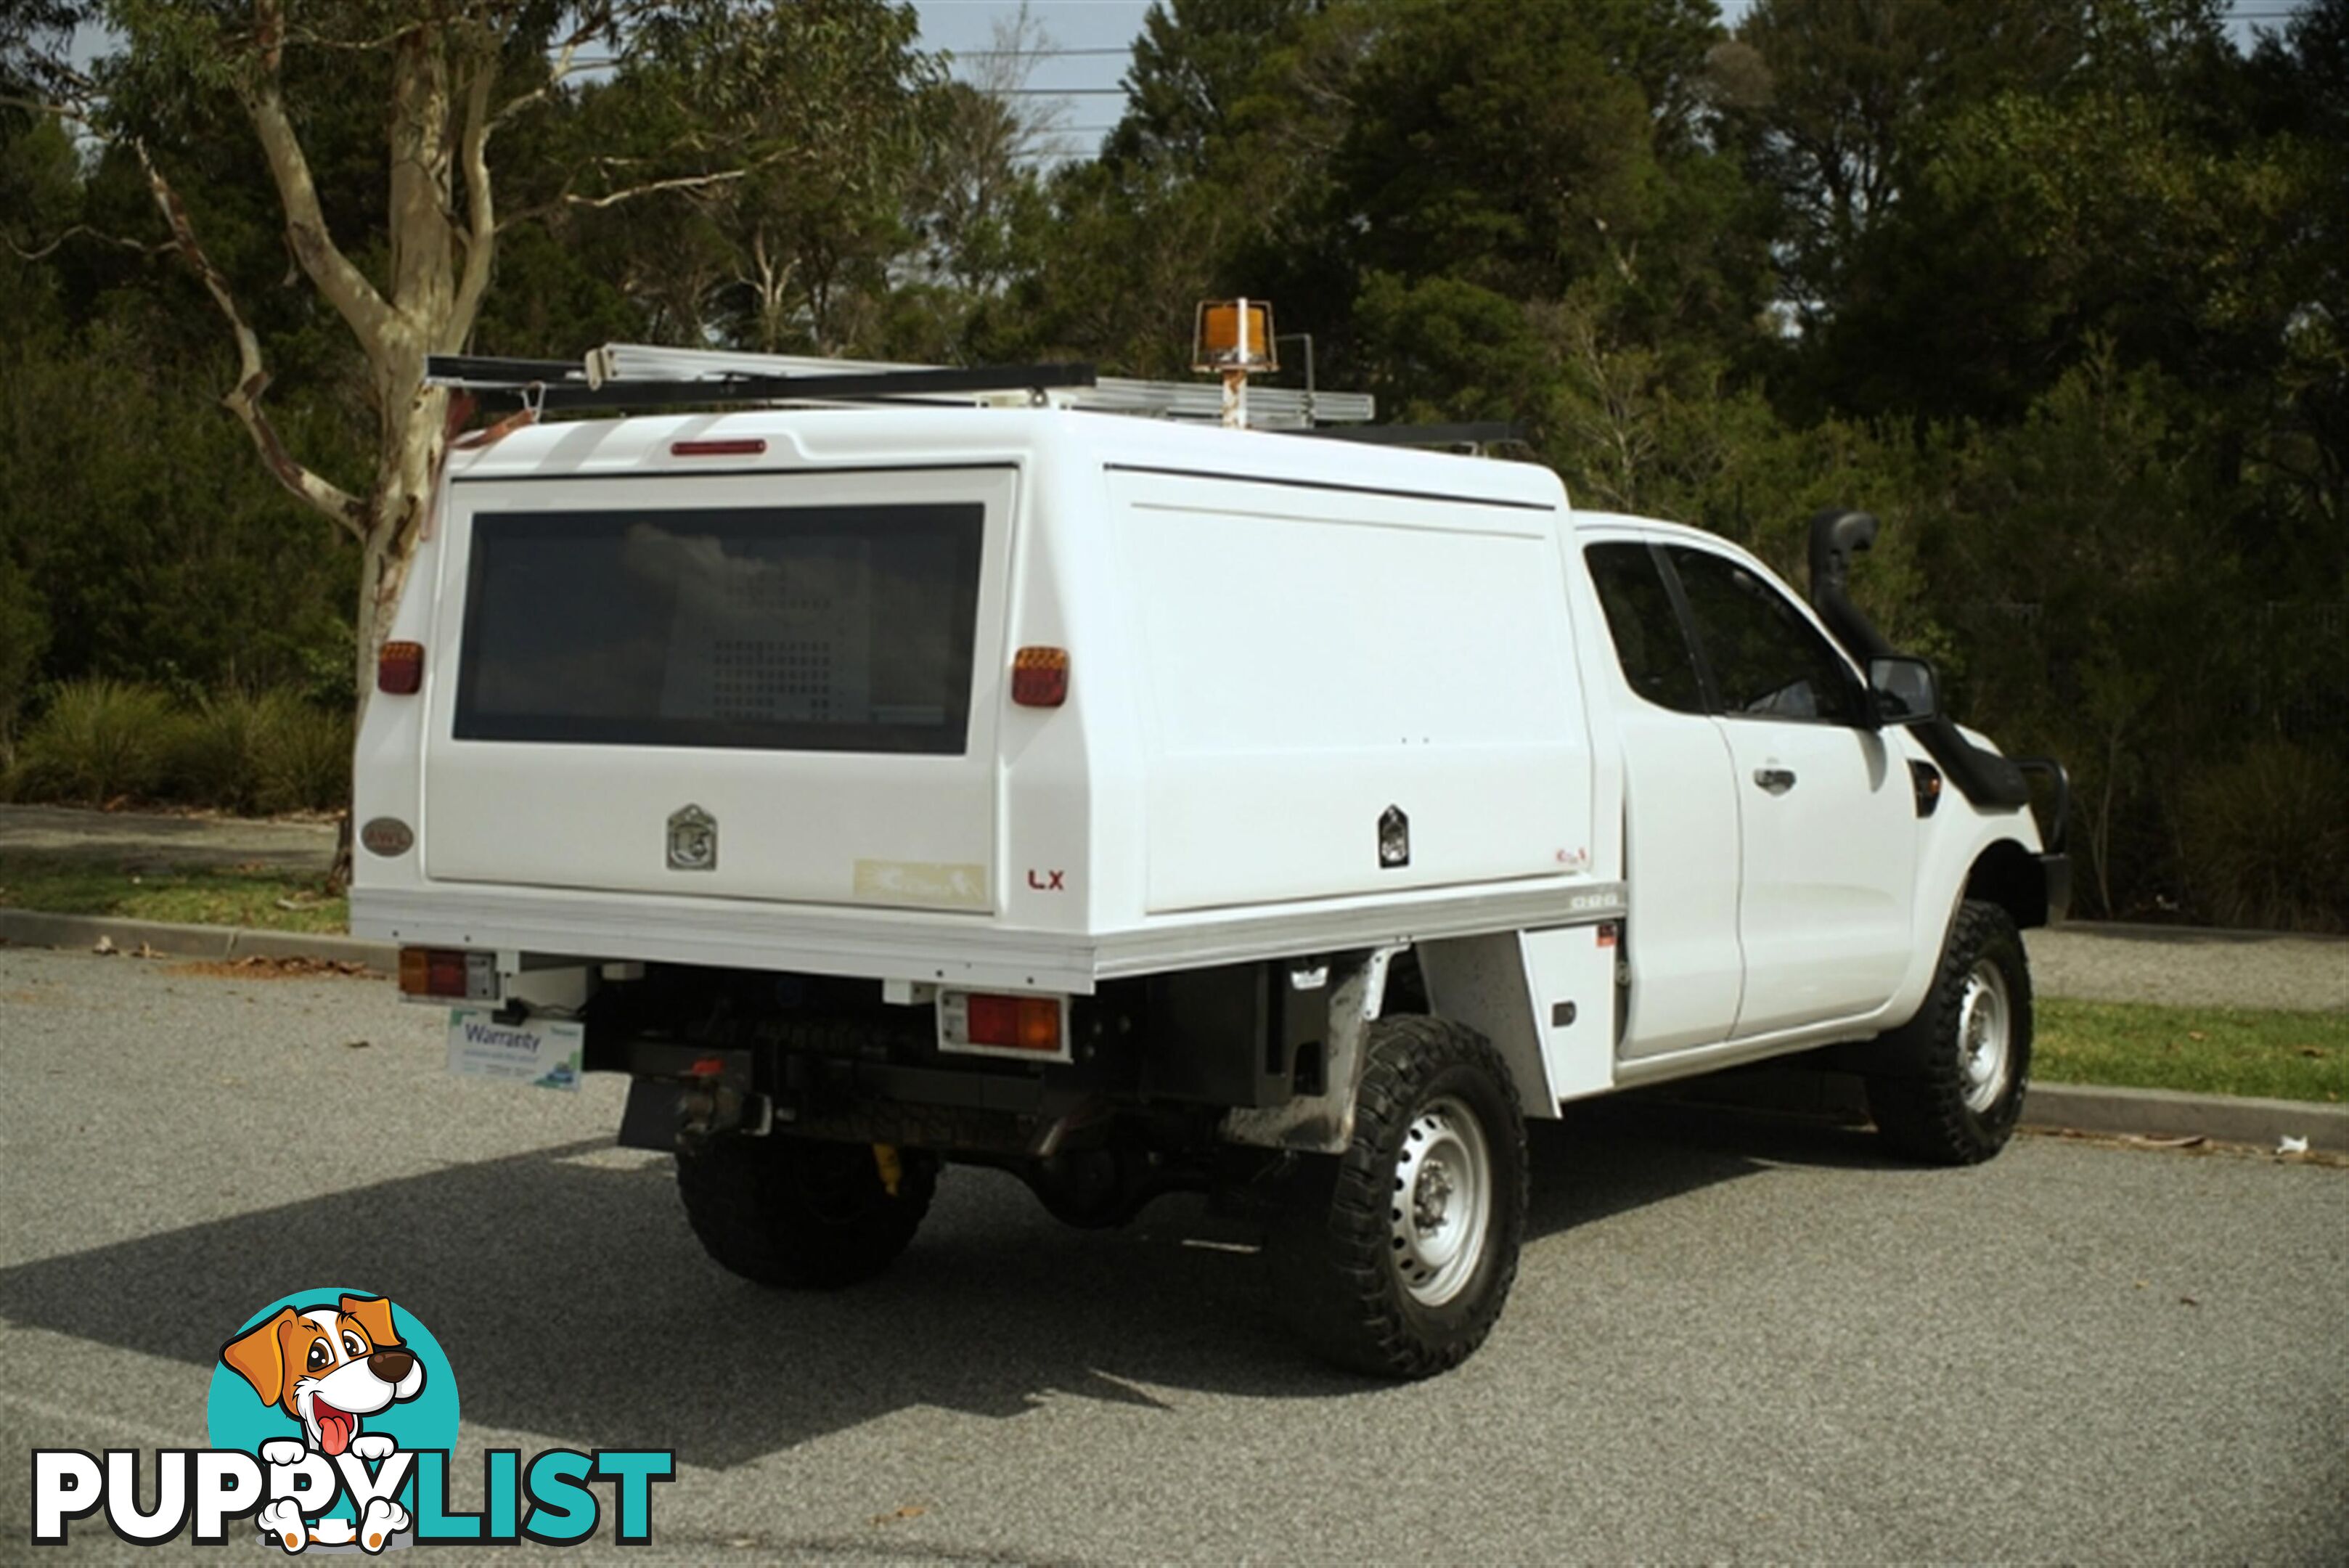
(2056, 287)
(100, 742)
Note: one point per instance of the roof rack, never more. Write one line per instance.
(636, 375)
(554, 385)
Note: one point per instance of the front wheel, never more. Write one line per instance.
(1949, 1084)
(1395, 1257)
(800, 1212)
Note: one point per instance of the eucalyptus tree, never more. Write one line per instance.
(452, 83)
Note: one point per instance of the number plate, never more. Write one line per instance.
(544, 1053)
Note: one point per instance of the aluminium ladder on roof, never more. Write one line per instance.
(1278, 407)
(636, 375)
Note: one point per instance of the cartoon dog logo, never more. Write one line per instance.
(329, 1368)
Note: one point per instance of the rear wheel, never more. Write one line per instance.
(1950, 1082)
(1395, 1257)
(802, 1212)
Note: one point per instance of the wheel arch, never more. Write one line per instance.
(2010, 876)
(1478, 983)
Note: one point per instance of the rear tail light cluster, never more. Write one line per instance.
(450, 972)
(998, 1024)
(1039, 677)
(399, 669)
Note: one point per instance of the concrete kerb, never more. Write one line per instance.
(2069, 1107)
(1773, 1089)
(2164, 1113)
(34, 928)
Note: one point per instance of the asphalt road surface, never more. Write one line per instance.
(2187, 966)
(1731, 1339)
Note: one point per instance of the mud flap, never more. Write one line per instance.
(1323, 1122)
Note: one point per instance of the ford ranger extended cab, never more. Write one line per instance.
(907, 772)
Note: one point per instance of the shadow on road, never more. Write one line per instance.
(1626, 1152)
(576, 1304)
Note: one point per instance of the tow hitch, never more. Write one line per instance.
(684, 1094)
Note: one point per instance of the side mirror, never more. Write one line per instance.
(1904, 689)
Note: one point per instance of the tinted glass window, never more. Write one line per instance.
(1646, 629)
(1765, 657)
(798, 628)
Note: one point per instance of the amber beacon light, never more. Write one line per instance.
(1234, 339)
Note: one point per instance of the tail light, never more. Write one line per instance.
(1003, 1026)
(450, 972)
(1039, 677)
(399, 669)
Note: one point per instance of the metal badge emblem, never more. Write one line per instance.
(389, 836)
(692, 840)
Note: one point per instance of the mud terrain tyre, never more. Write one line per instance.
(1395, 1257)
(1948, 1086)
(800, 1212)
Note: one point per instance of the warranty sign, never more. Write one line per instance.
(547, 1052)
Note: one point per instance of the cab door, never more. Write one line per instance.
(1681, 817)
(1824, 804)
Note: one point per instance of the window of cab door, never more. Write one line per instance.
(1759, 656)
(1645, 624)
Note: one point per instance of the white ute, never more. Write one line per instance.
(923, 768)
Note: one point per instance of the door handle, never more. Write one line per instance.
(1777, 781)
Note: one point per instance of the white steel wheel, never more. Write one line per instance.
(1396, 1256)
(1985, 1036)
(1948, 1086)
(1443, 1202)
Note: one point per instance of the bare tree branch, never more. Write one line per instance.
(481, 211)
(123, 240)
(245, 398)
(310, 39)
(653, 187)
(650, 188)
(594, 21)
(75, 112)
(347, 288)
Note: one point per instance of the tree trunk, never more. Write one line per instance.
(437, 272)
(407, 462)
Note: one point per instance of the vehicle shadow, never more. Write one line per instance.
(1610, 1156)
(575, 1302)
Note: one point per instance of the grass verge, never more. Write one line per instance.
(2196, 1050)
(269, 897)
